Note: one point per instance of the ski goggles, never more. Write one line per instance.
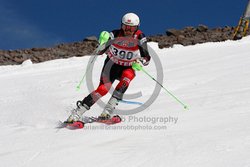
(129, 28)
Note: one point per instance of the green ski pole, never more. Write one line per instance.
(137, 66)
(103, 38)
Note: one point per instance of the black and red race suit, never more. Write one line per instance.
(121, 53)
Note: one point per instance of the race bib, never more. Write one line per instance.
(124, 51)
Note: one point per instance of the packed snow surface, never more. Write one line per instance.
(213, 79)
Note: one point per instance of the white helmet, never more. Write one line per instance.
(131, 19)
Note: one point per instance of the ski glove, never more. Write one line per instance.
(144, 61)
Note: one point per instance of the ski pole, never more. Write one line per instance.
(104, 37)
(137, 66)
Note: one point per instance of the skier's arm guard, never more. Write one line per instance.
(108, 43)
(105, 47)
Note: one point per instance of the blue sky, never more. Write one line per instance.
(36, 23)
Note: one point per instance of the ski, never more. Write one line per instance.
(114, 120)
(72, 126)
(80, 124)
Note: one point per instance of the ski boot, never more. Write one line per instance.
(77, 113)
(109, 109)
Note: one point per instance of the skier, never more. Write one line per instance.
(124, 46)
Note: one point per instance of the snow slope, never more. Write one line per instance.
(212, 78)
